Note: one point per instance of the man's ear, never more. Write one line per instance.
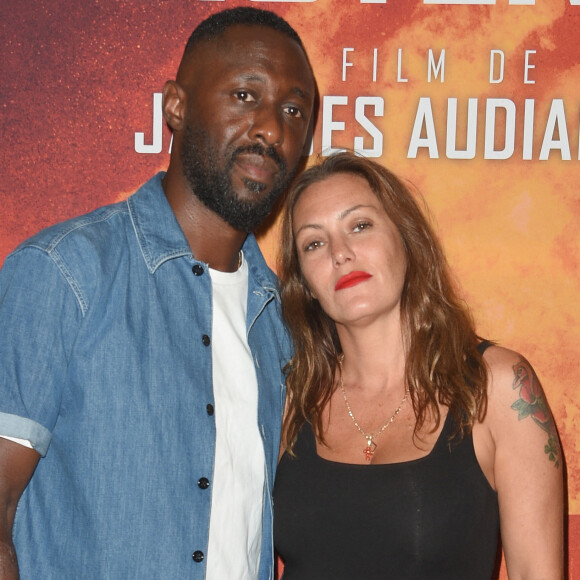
(173, 105)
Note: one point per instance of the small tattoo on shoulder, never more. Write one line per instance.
(532, 403)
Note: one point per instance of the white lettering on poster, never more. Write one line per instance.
(424, 124)
(491, 107)
(400, 78)
(378, 103)
(436, 68)
(527, 67)
(330, 125)
(495, 128)
(157, 145)
(345, 62)
(451, 149)
(555, 139)
(434, 65)
(496, 76)
(556, 123)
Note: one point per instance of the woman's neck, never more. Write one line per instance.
(374, 356)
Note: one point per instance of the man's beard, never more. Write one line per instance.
(212, 185)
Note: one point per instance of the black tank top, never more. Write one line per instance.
(427, 519)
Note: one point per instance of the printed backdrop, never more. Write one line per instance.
(475, 102)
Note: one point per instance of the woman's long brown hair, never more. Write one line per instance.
(443, 365)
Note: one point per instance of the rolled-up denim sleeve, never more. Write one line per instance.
(27, 430)
(39, 314)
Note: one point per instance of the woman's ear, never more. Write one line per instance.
(309, 291)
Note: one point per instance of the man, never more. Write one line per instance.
(142, 347)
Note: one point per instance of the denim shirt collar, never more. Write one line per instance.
(161, 238)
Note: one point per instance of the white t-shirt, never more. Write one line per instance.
(235, 531)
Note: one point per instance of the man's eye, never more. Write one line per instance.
(293, 111)
(244, 96)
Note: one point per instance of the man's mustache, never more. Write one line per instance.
(259, 149)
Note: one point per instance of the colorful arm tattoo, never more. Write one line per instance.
(532, 403)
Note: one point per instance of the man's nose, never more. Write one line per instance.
(267, 126)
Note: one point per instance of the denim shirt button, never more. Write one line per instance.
(205, 339)
(198, 556)
(209, 409)
(203, 483)
(197, 270)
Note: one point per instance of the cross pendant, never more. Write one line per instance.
(369, 449)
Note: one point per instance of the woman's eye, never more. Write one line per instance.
(312, 246)
(360, 226)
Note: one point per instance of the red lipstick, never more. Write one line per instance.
(351, 279)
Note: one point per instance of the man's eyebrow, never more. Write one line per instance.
(251, 77)
(301, 93)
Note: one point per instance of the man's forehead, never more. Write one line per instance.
(243, 48)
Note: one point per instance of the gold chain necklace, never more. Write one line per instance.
(371, 445)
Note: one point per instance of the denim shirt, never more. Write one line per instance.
(105, 355)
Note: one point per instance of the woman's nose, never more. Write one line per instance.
(341, 252)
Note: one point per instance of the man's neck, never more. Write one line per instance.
(211, 239)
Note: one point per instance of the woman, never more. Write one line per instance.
(408, 442)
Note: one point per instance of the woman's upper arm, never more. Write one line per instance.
(527, 468)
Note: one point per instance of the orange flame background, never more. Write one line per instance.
(78, 79)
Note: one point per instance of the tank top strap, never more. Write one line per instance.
(484, 345)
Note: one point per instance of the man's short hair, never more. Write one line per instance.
(216, 24)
